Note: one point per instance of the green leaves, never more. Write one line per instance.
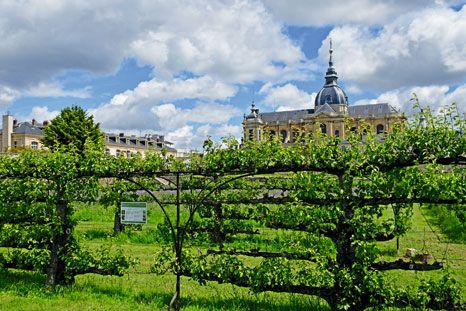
(73, 128)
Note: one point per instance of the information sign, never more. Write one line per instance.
(133, 213)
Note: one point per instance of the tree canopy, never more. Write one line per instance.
(73, 127)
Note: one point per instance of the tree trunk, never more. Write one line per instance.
(117, 225)
(175, 304)
(219, 235)
(56, 268)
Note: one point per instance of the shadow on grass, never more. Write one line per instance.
(388, 251)
(20, 282)
(256, 303)
(449, 224)
(225, 297)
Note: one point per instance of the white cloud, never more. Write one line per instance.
(43, 38)
(41, 114)
(422, 48)
(149, 105)
(433, 96)
(287, 97)
(187, 137)
(234, 41)
(171, 117)
(365, 12)
(56, 90)
(7, 95)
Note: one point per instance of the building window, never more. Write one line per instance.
(35, 145)
(128, 154)
(15, 144)
(328, 99)
(283, 134)
(379, 129)
(251, 134)
(107, 151)
(337, 133)
(323, 128)
(272, 134)
(118, 152)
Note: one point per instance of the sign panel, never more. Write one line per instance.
(133, 213)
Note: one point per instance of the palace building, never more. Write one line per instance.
(329, 115)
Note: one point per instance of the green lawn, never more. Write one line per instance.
(140, 290)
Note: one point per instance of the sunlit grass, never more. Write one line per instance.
(140, 290)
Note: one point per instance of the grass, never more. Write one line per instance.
(421, 238)
(24, 291)
(446, 220)
(138, 290)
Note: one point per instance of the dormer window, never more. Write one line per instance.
(328, 99)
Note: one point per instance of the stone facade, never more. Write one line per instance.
(119, 144)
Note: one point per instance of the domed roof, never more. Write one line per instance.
(331, 93)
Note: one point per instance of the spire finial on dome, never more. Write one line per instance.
(330, 51)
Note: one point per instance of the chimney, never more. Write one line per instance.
(33, 122)
(7, 130)
(122, 134)
(46, 123)
(15, 122)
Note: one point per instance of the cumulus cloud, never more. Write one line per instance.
(7, 95)
(418, 49)
(43, 38)
(434, 96)
(187, 137)
(151, 105)
(171, 117)
(234, 41)
(287, 97)
(56, 90)
(40, 113)
(364, 12)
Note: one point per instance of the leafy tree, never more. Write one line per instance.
(73, 127)
(36, 191)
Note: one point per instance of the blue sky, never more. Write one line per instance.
(188, 69)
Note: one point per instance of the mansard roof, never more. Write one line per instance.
(358, 111)
(285, 115)
(28, 128)
(371, 109)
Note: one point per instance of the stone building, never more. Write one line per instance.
(25, 134)
(28, 134)
(329, 115)
(120, 144)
